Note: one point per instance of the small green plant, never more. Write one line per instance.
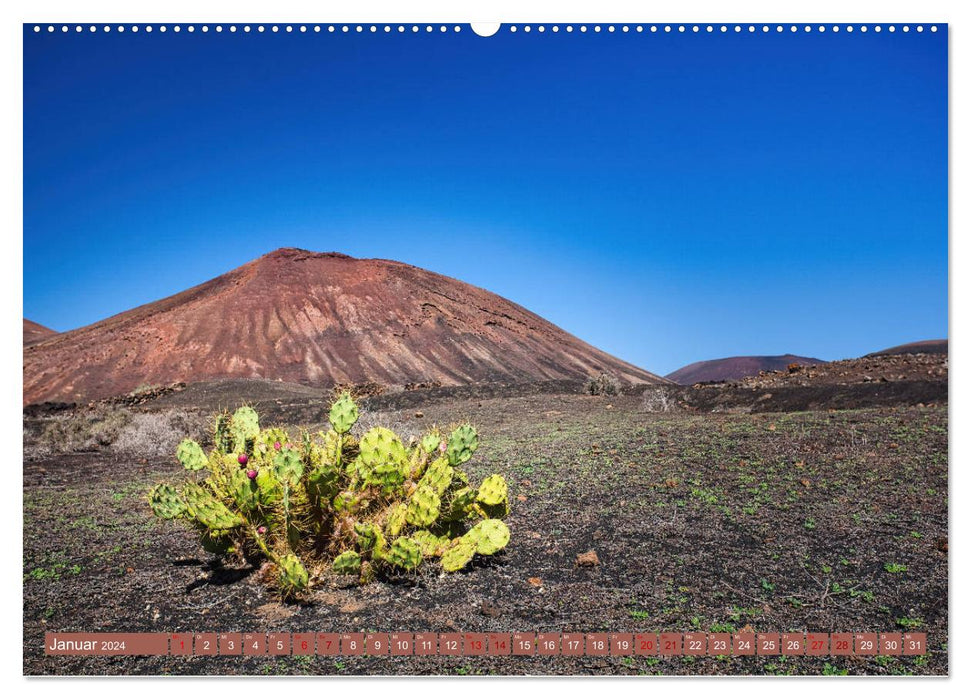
(910, 623)
(766, 586)
(893, 568)
(831, 670)
(334, 502)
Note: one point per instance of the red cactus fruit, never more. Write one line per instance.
(242, 459)
(251, 473)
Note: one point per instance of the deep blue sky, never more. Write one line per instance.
(666, 197)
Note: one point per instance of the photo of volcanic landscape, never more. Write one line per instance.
(305, 352)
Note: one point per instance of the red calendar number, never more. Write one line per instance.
(303, 644)
(645, 644)
(475, 644)
(842, 644)
(206, 644)
(328, 644)
(817, 643)
(352, 644)
(500, 644)
(670, 644)
(180, 644)
(914, 644)
(547, 644)
(426, 644)
(571, 644)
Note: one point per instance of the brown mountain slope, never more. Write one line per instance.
(931, 347)
(34, 332)
(315, 319)
(728, 368)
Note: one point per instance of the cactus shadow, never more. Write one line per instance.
(216, 574)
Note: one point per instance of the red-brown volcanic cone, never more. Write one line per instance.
(34, 332)
(318, 319)
(729, 368)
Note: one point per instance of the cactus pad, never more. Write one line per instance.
(430, 545)
(191, 455)
(343, 413)
(209, 512)
(458, 554)
(489, 536)
(383, 459)
(293, 575)
(404, 553)
(493, 491)
(397, 519)
(438, 476)
(462, 443)
(431, 441)
(245, 491)
(288, 467)
(166, 502)
(245, 428)
(347, 563)
(423, 507)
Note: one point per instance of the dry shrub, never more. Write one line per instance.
(604, 385)
(158, 434)
(80, 432)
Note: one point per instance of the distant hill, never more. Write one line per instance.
(34, 332)
(730, 368)
(931, 347)
(316, 319)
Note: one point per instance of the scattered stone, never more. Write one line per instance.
(489, 609)
(419, 414)
(588, 559)
(535, 581)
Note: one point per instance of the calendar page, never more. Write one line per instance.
(450, 349)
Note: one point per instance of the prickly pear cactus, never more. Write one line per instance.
(404, 553)
(166, 502)
(463, 442)
(458, 554)
(191, 455)
(424, 507)
(245, 428)
(347, 563)
(489, 536)
(334, 503)
(293, 575)
(288, 467)
(343, 414)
